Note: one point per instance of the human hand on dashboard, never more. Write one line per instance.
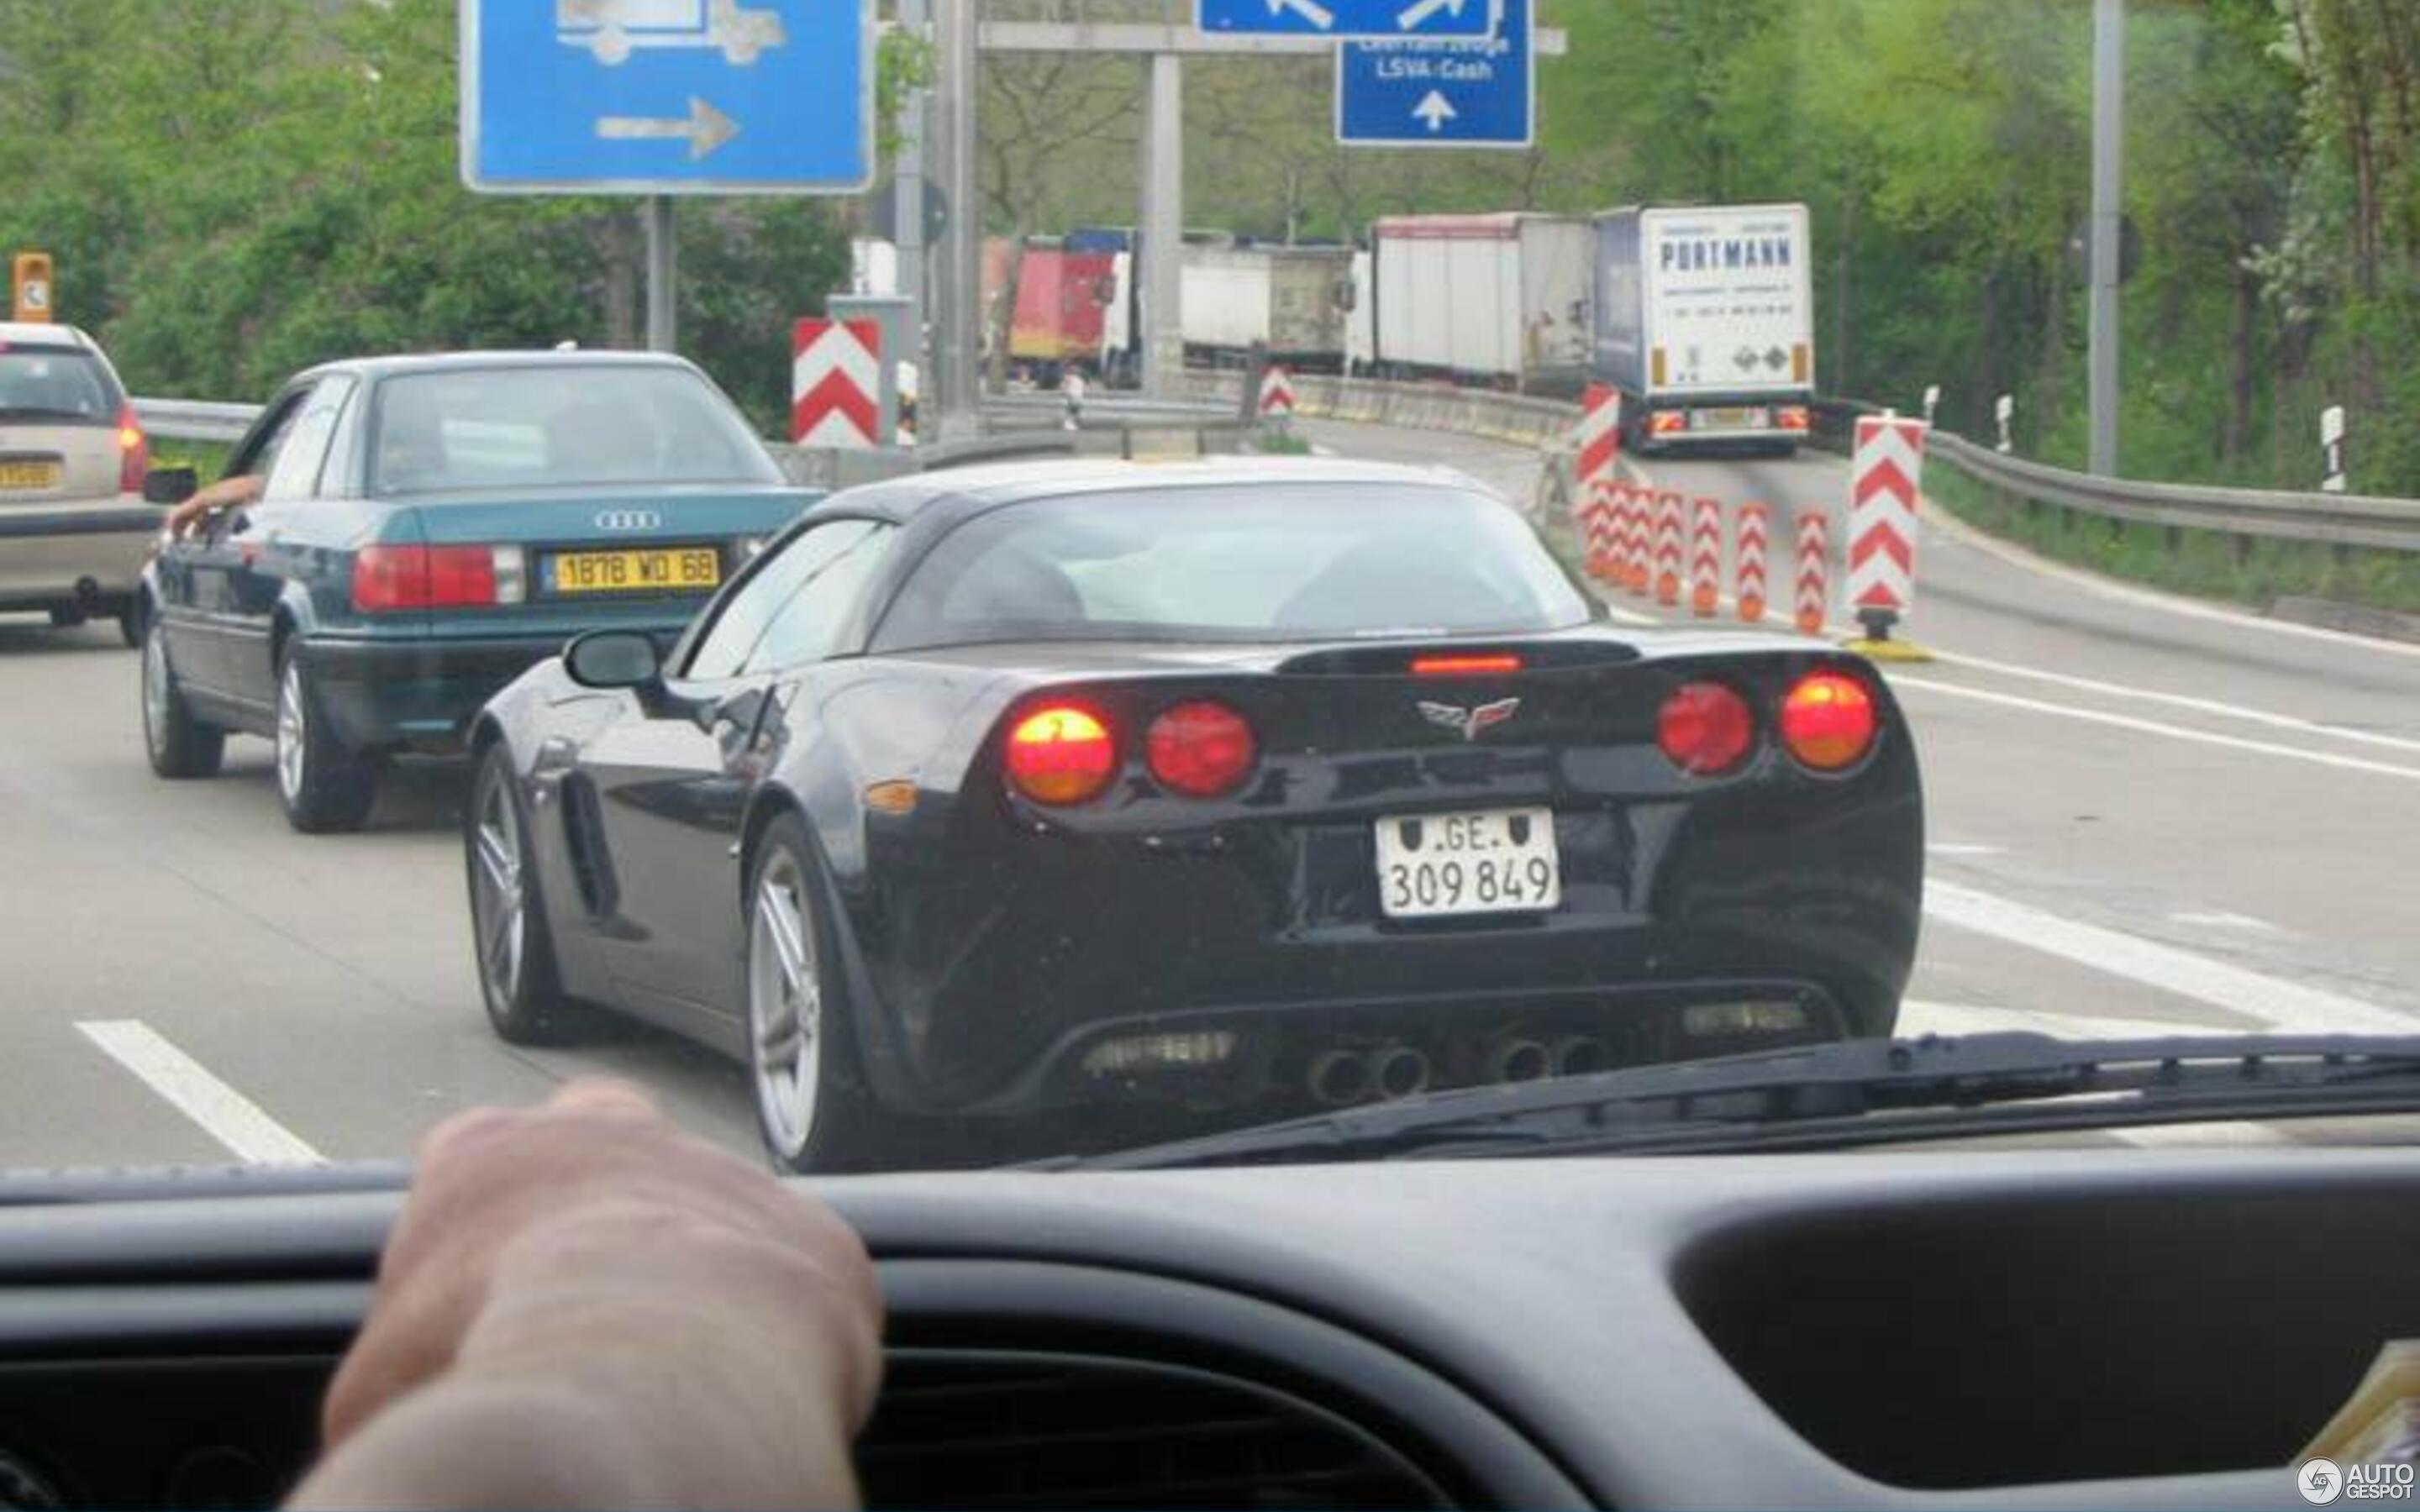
(581, 1304)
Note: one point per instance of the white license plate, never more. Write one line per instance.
(1732, 420)
(1493, 861)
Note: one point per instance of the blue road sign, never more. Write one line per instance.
(1344, 18)
(668, 97)
(1481, 93)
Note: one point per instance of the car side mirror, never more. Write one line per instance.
(614, 658)
(170, 485)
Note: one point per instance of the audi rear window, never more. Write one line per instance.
(55, 385)
(1262, 562)
(510, 427)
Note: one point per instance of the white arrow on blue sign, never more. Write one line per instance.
(667, 96)
(1343, 18)
(1476, 93)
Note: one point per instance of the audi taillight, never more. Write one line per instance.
(390, 578)
(1475, 665)
(133, 451)
(1060, 753)
(1828, 720)
(1705, 729)
(1202, 749)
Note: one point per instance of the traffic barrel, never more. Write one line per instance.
(1706, 558)
(1749, 562)
(1667, 549)
(1814, 557)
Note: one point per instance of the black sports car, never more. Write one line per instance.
(1232, 789)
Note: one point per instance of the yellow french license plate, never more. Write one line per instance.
(673, 570)
(29, 474)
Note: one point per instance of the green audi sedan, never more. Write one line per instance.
(423, 530)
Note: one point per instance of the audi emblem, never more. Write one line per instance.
(629, 519)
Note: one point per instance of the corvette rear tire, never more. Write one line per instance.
(325, 788)
(510, 941)
(178, 744)
(813, 1104)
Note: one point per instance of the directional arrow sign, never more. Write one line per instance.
(1391, 19)
(668, 97)
(1469, 93)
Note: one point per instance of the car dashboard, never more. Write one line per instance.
(2108, 1328)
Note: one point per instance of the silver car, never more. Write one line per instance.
(74, 528)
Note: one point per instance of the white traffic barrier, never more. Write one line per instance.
(1748, 562)
(1706, 558)
(836, 384)
(1667, 549)
(1883, 471)
(2332, 457)
(1813, 596)
(1599, 432)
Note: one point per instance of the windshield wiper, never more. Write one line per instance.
(1850, 1092)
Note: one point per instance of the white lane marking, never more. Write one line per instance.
(225, 1113)
(1919, 1017)
(2221, 918)
(2201, 705)
(2122, 722)
(1951, 848)
(2273, 1001)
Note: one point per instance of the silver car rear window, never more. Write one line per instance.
(55, 385)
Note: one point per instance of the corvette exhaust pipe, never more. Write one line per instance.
(1576, 1055)
(1513, 1060)
(1339, 1077)
(1399, 1071)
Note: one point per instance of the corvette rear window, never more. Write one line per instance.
(1285, 561)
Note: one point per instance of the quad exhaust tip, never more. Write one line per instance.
(1514, 1060)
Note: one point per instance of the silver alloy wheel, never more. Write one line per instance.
(499, 902)
(155, 689)
(784, 1007)
(291, 731)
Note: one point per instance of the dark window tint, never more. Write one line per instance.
(783, 612)
(558, 425)
(57, 385)
(1263, 561)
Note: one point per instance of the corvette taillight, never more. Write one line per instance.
(1060, 753)
(390, 578)
(1828, 720)
(1202, 749)
(1705, 729)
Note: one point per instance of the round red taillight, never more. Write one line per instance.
(1060, 754)
(1828, 720)
(1705, 728)
(1200, 749)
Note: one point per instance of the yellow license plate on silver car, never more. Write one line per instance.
(672, 570)
(29, 476)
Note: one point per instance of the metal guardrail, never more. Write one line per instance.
(196, 420)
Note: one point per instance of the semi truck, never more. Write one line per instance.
(1705, 322)
(1499, 300)
(1292, 304)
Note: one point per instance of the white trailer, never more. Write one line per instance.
(1500, 300)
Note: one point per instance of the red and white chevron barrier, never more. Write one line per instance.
(1706, 558)
(1597, 530)
(1638, 532)
(1814, 559)
(1276, 395)
(1599, 433)
(1747, 563)
(836, 384)
(1667, 549)
(1883, 474)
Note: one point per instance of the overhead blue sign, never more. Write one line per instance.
(1478, 93)
(1343, 18)
(667, 96)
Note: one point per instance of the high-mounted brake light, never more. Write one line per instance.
(1060, 753)
(392, 577)
(1828, 720)
(133, 451)
(1705, 729)
(1465, 666)
(1202, 749)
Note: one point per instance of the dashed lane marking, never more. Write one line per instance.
(225, 1113)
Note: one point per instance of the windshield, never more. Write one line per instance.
(1214, 568)
(58, 385)
(572, 425)
(1273, 562)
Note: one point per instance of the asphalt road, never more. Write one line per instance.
(2143, 815)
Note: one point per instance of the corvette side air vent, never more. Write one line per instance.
(979, 1430)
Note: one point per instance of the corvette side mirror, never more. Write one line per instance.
(614, 658)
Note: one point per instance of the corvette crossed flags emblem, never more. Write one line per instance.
(1471, 722)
